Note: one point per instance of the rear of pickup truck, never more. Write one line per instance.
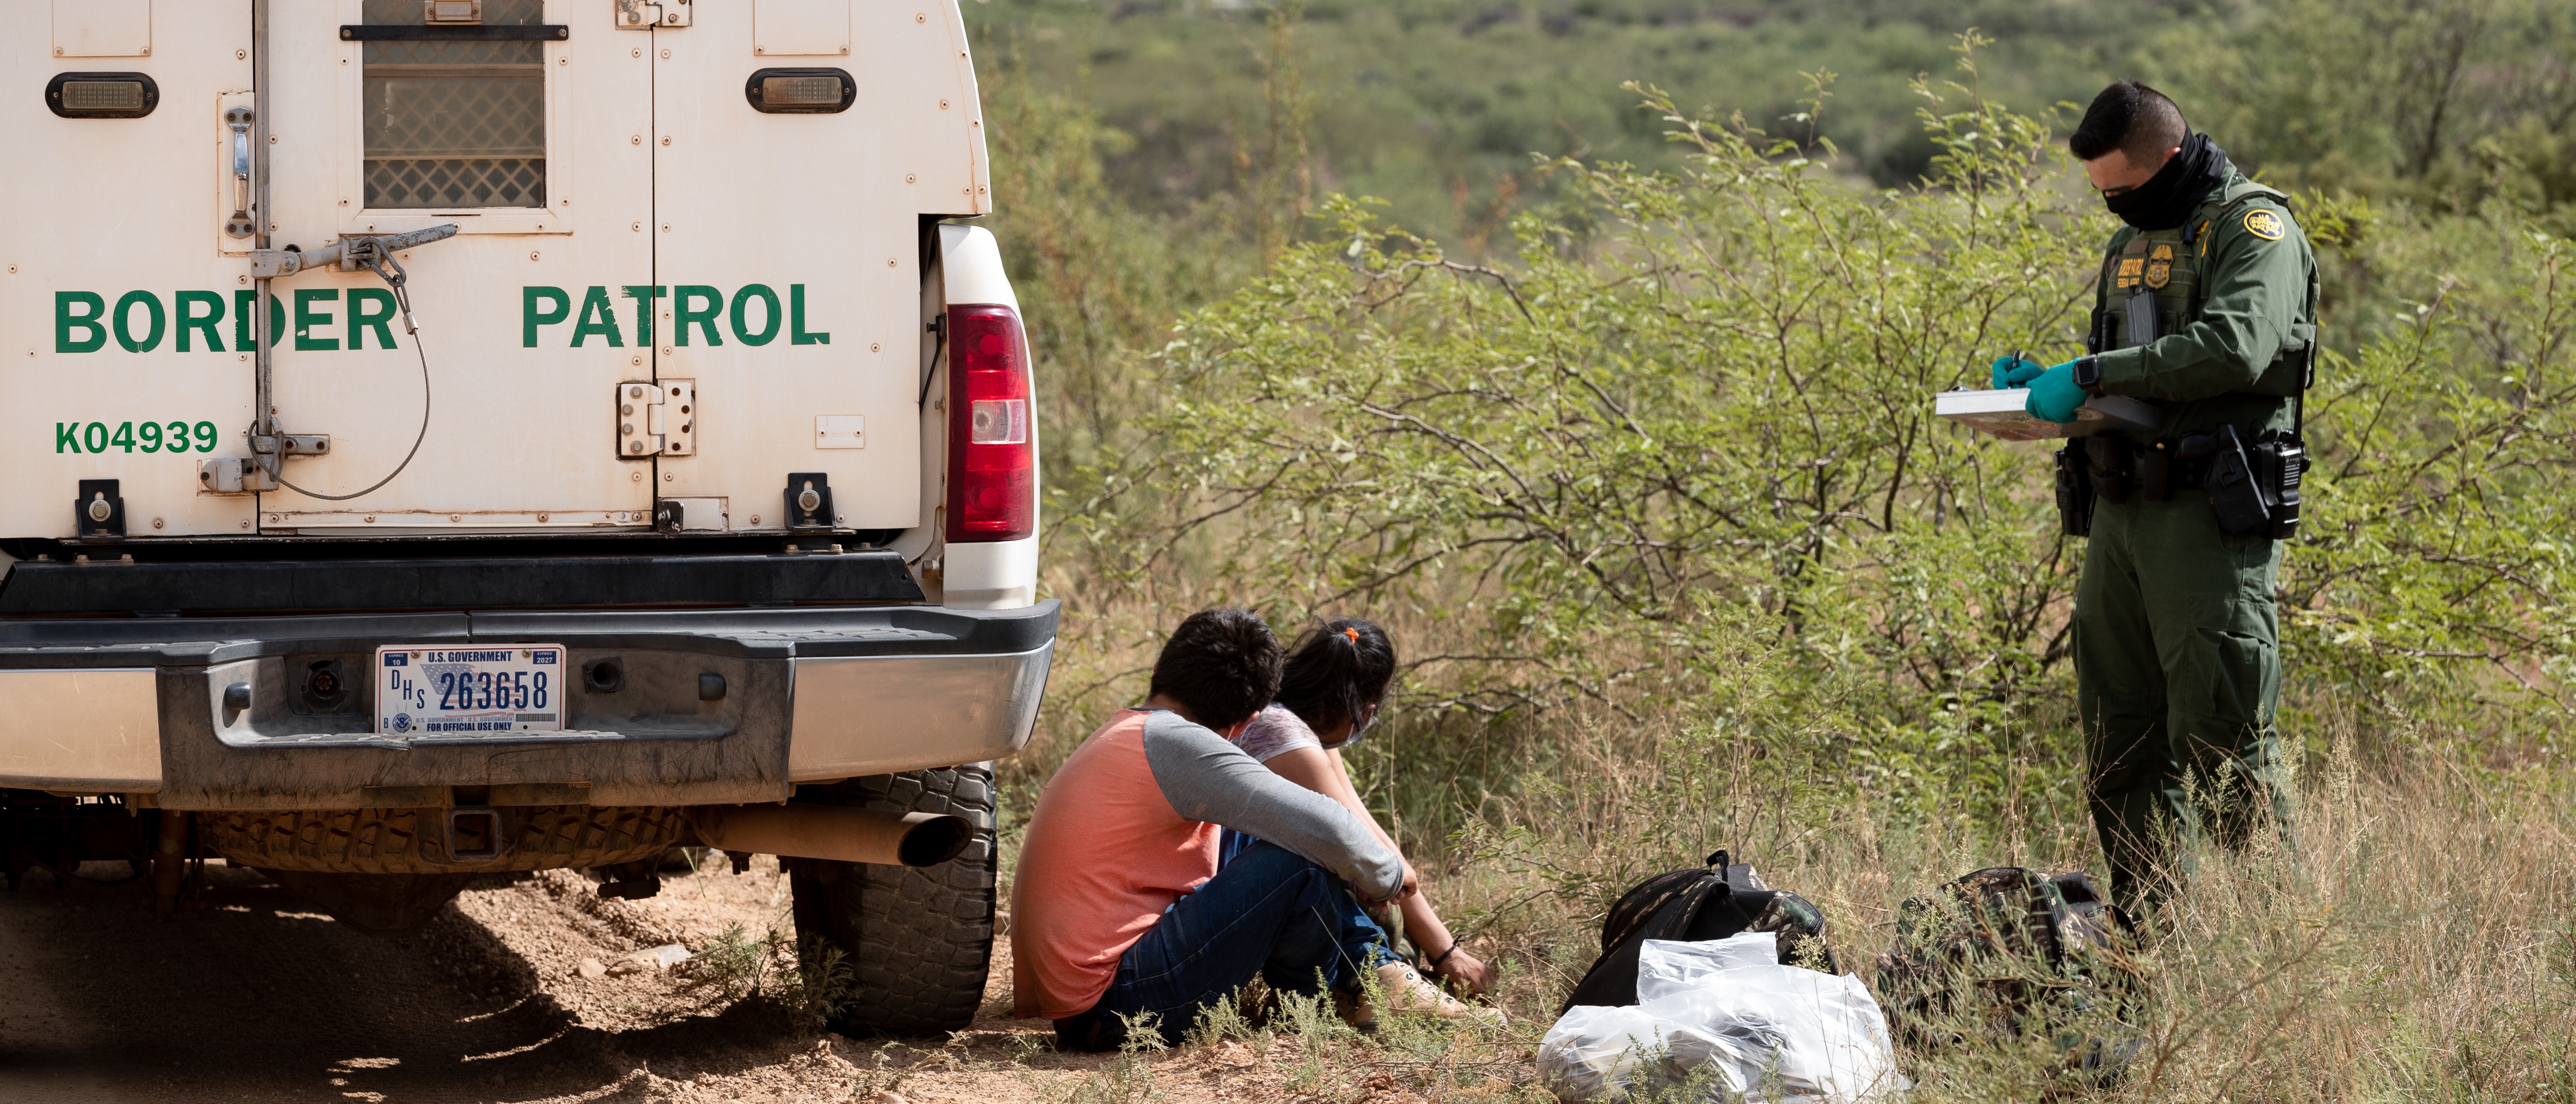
(634, 452)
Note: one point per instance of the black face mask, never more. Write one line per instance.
(2167, 198)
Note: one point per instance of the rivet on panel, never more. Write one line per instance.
(907, 178)
(533, 254)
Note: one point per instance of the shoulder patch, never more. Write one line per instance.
(2264, 224)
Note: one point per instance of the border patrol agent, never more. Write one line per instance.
(2206, 308)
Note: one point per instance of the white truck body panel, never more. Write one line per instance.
(657, 174)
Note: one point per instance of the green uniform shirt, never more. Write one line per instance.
(2238, 304)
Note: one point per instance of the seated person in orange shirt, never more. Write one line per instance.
(1119, 909)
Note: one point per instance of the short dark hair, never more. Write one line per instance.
(1335, 672)
(1220, 664)
(2132, 118)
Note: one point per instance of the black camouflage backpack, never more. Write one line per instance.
(1711, 902)
(2007, 953)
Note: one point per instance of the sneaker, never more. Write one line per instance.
(1406, 991)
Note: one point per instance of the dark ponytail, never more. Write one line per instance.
(1335, 672)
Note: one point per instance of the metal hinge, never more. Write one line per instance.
(233, 475)
(644, 15)
(247, 474)
(657, 419)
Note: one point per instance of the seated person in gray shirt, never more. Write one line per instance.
(1331, 690)
(1118, 909)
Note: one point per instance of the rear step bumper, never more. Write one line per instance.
(810, 694)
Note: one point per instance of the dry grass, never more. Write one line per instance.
(2413, 937)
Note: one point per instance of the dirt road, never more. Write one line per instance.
(255, 995)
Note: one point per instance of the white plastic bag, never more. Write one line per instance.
(1666, 967)
(1727, 1007)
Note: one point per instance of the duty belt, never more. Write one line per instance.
(2120, 469)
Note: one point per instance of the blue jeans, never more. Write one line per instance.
(1269, 913)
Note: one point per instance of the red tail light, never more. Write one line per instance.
(992, 446)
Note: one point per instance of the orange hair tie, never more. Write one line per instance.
(1354, 634)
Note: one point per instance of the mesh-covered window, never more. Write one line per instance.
(455, 124)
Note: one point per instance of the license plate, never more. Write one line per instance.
(424, 690)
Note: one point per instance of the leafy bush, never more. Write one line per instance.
(1688, 446)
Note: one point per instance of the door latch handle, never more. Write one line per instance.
(240, 225)
(241, 173)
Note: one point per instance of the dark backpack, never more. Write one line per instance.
(2008, 952)
(1711, 902)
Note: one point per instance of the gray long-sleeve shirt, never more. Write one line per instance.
(1207, 778)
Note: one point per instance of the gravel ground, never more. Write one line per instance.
(249, 993)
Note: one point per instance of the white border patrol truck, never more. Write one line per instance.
(452, 437)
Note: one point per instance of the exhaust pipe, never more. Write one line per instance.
(834, 832)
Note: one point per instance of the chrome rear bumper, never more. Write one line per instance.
(159, 705)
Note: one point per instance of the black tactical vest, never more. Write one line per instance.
(2156, 282)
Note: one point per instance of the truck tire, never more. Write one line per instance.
(918, 941)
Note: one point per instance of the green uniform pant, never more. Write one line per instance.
(2177, 676)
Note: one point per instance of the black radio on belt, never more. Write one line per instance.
(2253, 487)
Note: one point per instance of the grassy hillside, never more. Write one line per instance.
(1438, 105)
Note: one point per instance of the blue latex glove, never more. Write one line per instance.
(2015, 372)
(2054, 396)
